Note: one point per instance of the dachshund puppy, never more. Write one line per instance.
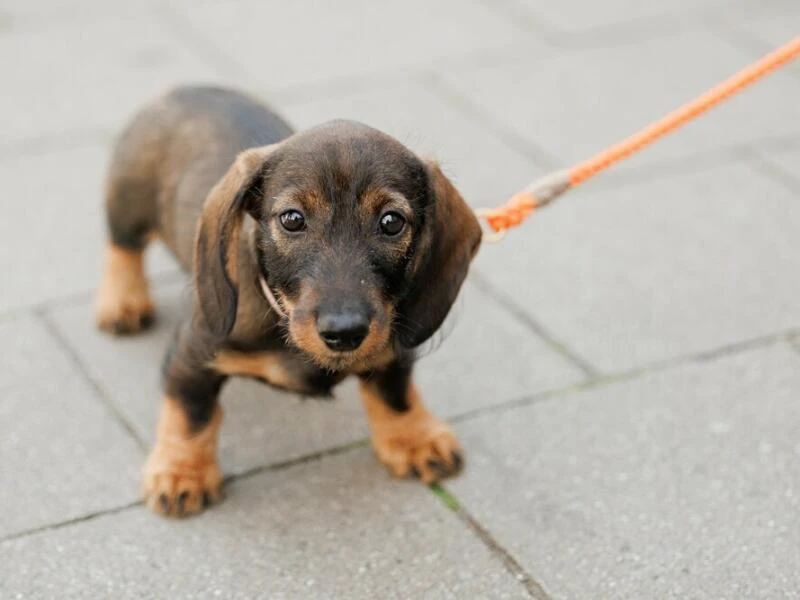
(316, 255)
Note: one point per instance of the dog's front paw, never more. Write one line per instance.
(423, 446)
(179, 480)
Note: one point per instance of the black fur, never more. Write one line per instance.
(392, 384)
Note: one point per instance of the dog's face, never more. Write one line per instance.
(362, 242)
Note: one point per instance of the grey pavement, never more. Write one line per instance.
(623, 370)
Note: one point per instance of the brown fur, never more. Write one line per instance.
(414, 441)
(123, 303)
(267, 366)
(181, 475)
(210, 171)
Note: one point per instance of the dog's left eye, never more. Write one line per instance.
(392, 223)
(293, 220)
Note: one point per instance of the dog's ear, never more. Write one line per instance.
(217, 243)
(449, 240)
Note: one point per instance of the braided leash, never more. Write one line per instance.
(543, 191)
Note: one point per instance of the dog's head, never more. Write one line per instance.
(361, 241)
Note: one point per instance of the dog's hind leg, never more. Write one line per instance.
(123, 303)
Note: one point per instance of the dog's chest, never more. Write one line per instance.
(284, 370)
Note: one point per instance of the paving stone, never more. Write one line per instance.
(488, 357)
(787, 162)
(64, 454)
(32, 13)
(262, 426)
(580, 102)
(678, 484)
(337, 528)
(770, 30)
(580, 16)
(53, 228)
(283, 44)
(71, 77)
(659, 269)
(434, 127)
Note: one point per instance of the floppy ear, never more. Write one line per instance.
(450, 240)
(216, 248)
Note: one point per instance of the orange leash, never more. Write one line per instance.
(543, 191)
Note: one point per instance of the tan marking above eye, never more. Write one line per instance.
(377, 201)
(308, 202)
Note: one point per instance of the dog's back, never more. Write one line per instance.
(172, 154)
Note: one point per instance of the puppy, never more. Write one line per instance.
(316, 255)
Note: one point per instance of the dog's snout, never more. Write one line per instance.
(343, 330)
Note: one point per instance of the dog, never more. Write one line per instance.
(315, 255)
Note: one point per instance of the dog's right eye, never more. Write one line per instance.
(292, 220)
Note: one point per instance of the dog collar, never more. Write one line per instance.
(273, 301)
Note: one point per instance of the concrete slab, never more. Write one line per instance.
(33, 13)
(338, 528)
(284, 44)
(431, 126)
(53, 229)
(660, 269)
(788, 165)
(64, 454)
(72, 76)
(486, 358)
(768, 31)
(580, 102)
(677, 484)
(576, 17)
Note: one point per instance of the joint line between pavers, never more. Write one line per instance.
(510, 307)
(791, 336)
(197, 43)
(606, 35)
(68, 522)
(794, 342)
(669, 168)
(102, 394)
(743, 41)
(512, 565)
(753, 153)
(72, 299)
(737, 347)
(300, 460)
(268, 468)
(521, 17)
(764, 165)
(436, 84)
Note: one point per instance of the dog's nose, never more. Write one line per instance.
(343, 331)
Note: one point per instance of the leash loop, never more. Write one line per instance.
(538, 194)
(490, 235)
